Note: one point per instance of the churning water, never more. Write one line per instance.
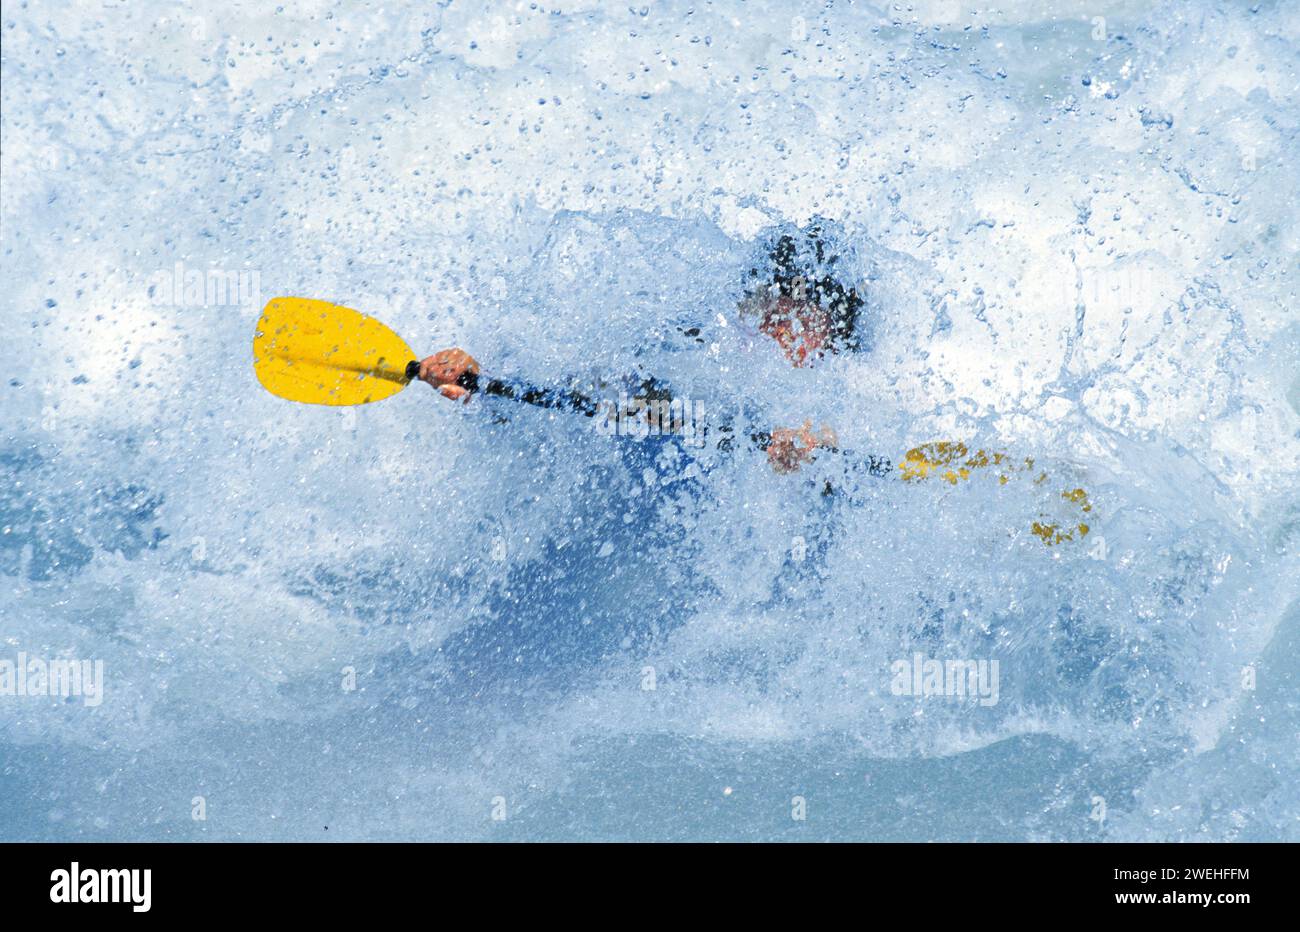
(1074, 229)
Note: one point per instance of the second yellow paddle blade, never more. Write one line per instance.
(326, 354)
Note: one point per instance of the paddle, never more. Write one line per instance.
(316, 352)
(320, 353)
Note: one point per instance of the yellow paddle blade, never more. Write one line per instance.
(325, 354)
(952, 462)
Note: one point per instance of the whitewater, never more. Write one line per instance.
(1074, 228)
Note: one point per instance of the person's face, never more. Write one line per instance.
(800, 327)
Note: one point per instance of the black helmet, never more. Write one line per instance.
(802, 265)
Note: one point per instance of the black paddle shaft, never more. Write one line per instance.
(520, 391)
(589, 407)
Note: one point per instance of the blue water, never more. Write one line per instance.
(1073, 227)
